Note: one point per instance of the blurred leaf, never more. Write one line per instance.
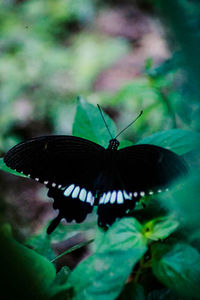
(124, 144)
(160, 228)
(42, 245)
(179, 269)
(177, 140)
(90, 54)
(25, 274)
(105, 272)
(89, 124)
(182, 200)
(168, 66)
(4, 168)
(183, 20)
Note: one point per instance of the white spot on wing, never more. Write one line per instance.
(135, 194)
(113, 197)
(90, 198)
(46, 182)
(101, 200)
(142, 194)
(159, 191)
(37, 179)
(68, 190)
(83, 194)
(53, 184)
(75, 192)
(126, 196)
(151, 193)
(59, 186)
(107, 197)
(120, 197)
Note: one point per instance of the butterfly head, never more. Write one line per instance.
(113, 144)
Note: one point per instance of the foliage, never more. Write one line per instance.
(50, 52)
(156, 247)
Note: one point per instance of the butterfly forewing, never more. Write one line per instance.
(148, 167)
(57, 159)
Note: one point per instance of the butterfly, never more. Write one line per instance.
(80, 174)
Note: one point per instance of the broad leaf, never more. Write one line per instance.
(103, 275)
(179, 270)
(178, 140)
(24, 273)
(89, 124)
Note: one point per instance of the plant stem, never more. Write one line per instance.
(72, 249)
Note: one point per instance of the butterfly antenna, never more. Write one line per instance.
(104, 120)
(130, 124)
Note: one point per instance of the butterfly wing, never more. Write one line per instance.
(56, 159)
(150, 167)
(139, 170)
(67, 165)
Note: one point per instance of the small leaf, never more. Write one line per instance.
(160, 228)
(62, 275)
(4, 168)
(60, 290)
(179, 270)
(89, 124)
(103, 275)
(178, 140)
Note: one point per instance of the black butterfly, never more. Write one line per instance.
(80, 174)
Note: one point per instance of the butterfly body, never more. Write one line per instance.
(80, 174)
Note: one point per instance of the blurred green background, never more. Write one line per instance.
(126, 56)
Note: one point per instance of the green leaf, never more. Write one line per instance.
(41, 244)
(125, 143)
(102, 276)
(60, 289)
(160, 228)
(177, 140)
(4, 168)
(179, 270)
(182, 200)
(89, 124)
(62, 275)
(25, 274)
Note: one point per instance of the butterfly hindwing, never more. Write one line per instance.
(70, 208)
